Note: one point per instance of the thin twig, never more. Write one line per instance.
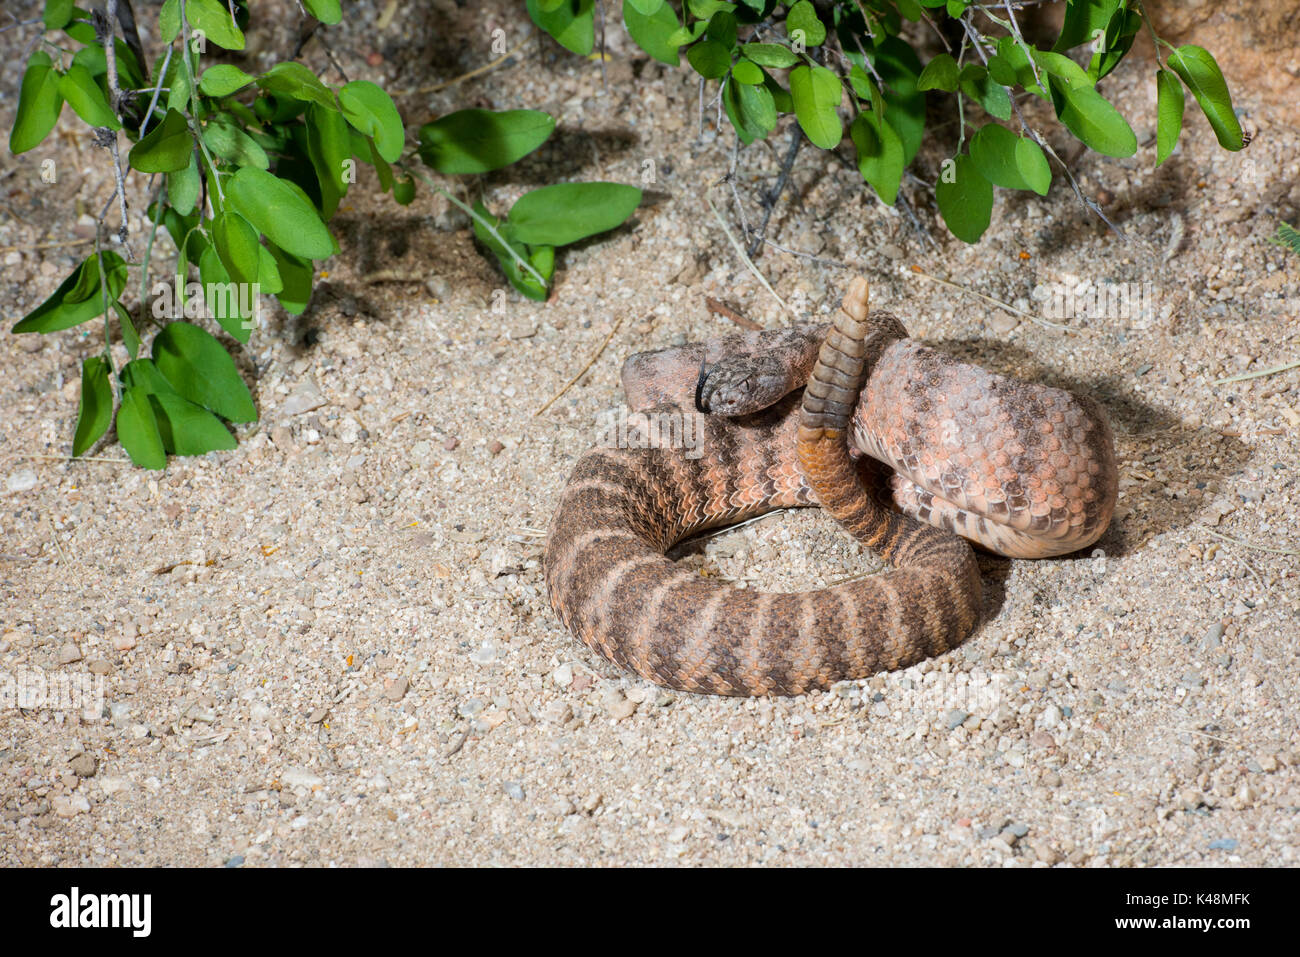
(996, 302)
(726, 312)
(583, 371)
(1258, 548)
(740, 251)
(23, 248)
(466, 76)
(772, 198)
(1256, 375)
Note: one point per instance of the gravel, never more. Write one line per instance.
(381, 527)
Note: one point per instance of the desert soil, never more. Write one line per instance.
(332, 646)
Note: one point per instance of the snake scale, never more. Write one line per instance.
(1023, 470)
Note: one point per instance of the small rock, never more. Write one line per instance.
(1041, 739)
(69, 653)
(619, 707)
(450, 443)
(558, 712)
(563, 676)
(317, 716)
(892, 251)
(24, 480)
(307, 398)
(300, 777)
(496, 448)
(84, 765)
(70, 805)
(1224, 844)
(955, 717)
(1212, 638)
(1051, 717)
(100, 667)
(1002, 323)
(126, 640)
(235, 860)
(1019, 830)
(513, 790)
(1044, 851)
(397, 690)
(471, 708)
(111, 785)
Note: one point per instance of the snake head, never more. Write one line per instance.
(741, 385)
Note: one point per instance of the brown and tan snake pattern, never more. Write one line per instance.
(1024, 470)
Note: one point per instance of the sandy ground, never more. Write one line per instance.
(332, 646)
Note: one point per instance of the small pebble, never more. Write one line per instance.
(84, 765)
(513, 790)
(955, 717)
(69, 653)
(23, 480)
(397, 690)
(496, 447)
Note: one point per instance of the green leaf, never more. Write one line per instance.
(404, 190)
(722, 27)
(939, 74)
(281, 211)
(187, 429)
(1287, 237)
(296, 275)
(751, 108)
(371, 111)
(1094, 121)
(237, 245)
(39, 103)
(476, 141)
(326, 11)
(710, 58)
(213, 18)
(130, 338)
(653, 28)
(769, 54)
(1010, 161)
(1169, 112)
(880, 155)
(983, 89)
(199, 369)
(567, 212)
(570, 22)
(165, 148)
(329, 147)
(221, 294)
(803, 18)
(78, 297)
(817, 91)
(96, 411)
(542, 258)
(137, 430)
(83, 94)
(227, 141)
(223, 79)
(1001, 69)
(57, 14)
(747, 72)
(183, 187)
(965, 199)
(900, 68)
(1083, 20)
(1196, 67)
(169, 21)
(294, 81)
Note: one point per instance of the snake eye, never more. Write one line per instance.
(699, 388)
